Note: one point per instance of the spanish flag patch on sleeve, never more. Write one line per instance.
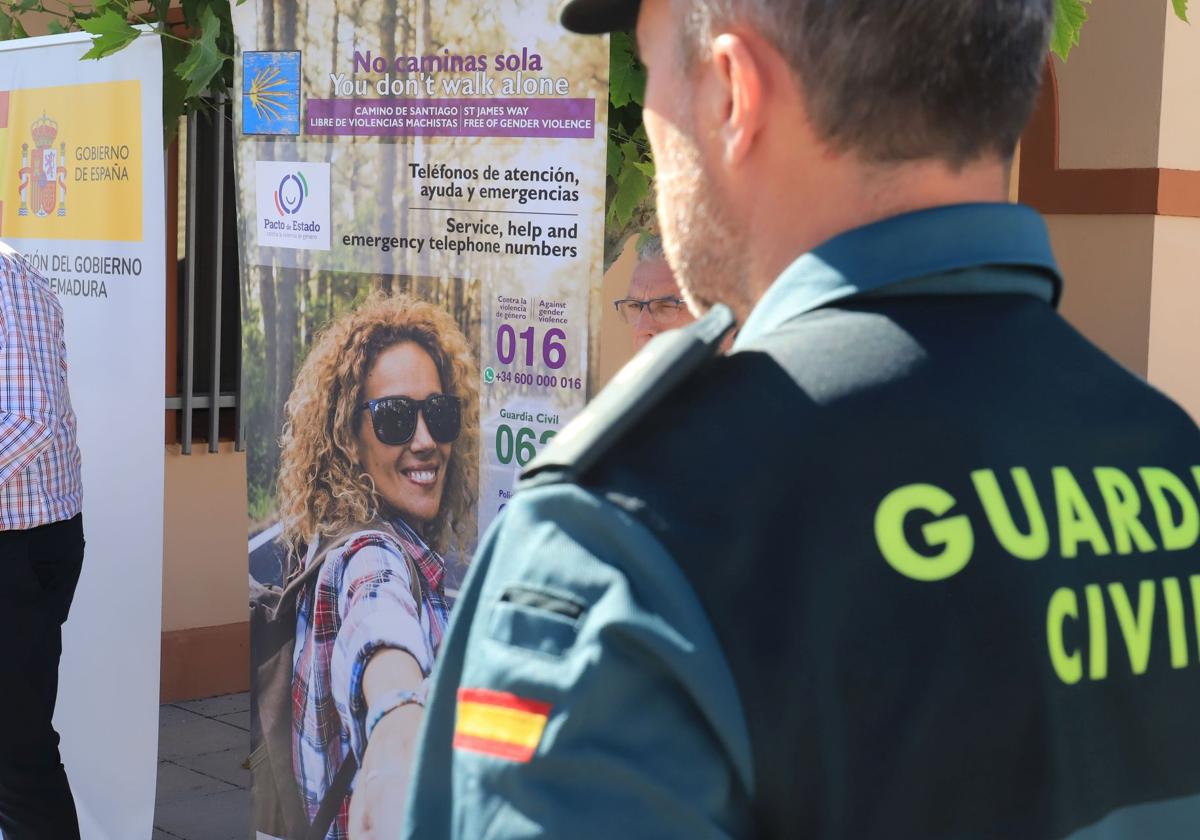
(499, 724)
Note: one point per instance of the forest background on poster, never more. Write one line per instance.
(286, 302)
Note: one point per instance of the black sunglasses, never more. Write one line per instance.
(394, 419)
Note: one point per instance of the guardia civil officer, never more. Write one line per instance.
(915, 560)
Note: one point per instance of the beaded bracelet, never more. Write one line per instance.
(390, 702)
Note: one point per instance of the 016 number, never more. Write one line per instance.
(554, 350)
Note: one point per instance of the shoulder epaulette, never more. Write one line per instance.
(641, 385)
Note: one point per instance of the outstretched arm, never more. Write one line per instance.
(377, 808)
(378, 673)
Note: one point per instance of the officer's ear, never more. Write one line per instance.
(742, 80)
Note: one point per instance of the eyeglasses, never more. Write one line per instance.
(394, 419)
(663, 310)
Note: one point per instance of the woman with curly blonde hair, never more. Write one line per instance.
(378, 475)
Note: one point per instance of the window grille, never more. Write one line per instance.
(204, 354)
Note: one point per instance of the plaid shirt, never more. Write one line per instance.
(362, 602)
(40, 478)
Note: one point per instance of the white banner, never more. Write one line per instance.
(82, 196)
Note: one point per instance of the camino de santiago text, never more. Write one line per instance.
(1093, 630)
(83, 275)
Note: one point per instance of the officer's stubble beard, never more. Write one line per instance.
(703, 243)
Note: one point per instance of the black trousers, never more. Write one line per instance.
(39, 569)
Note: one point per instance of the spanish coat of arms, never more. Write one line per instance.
(43, 185)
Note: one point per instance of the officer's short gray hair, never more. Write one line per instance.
(650, 248)
(901, 80)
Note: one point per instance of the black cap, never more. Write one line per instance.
(594, 17)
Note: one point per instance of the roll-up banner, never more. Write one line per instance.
(82, 195)
(421, 190)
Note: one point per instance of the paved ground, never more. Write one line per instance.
(203, 790)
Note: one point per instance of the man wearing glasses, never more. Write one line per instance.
(653, 303)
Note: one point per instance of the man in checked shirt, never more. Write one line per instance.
(41, 551)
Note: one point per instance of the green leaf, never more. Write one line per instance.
(615, 159)
(632, 187)
(6, 32)
(192, 10)
(204, 60)
(620, 61)
(1180, 9)
(630, 152)
(1069, 18)
(635, 155)
(55, 27)
(110, 33)
(18, 29)
(627, 77)
(26, 6)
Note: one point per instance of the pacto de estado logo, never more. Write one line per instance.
(290, 195)
(42, 188)
(292, 199)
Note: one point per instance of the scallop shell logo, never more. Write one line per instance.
(268, 93)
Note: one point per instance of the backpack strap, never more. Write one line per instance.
(331, 805)
(291, 592)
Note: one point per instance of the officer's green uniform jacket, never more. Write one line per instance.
(915, 560)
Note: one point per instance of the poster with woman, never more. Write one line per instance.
(421, 186)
